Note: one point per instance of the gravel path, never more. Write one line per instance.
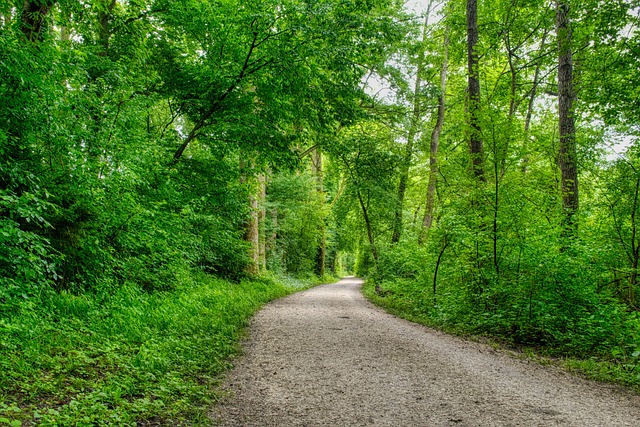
(327, 357)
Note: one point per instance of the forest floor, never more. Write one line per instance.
(328, 357)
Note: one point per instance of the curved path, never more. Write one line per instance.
(327, 357)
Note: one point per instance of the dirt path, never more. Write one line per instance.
(327, 357)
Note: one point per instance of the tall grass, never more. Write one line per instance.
(124, 358)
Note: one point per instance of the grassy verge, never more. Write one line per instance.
(409, 304)
(127, 358)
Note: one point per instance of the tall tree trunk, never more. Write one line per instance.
(567, 158)
(316, 162)
(427, 221)
(514, 75)
(34, 13)
(532, 100)
(475, 131)
(411, 135)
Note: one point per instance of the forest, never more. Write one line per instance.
(166, 167)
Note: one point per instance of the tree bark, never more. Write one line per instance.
(567, 158)
(34, 13)
(316, 162)
(427, 221)
(475, 131)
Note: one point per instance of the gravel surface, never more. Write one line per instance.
(328, 357)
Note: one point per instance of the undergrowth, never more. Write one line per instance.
(619, 364)
(128, 357)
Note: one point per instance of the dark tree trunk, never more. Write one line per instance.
(475, 131)
(367, 222)
(567, 158)
(321, 255)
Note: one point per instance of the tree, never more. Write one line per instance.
(364, 151)
(414, 125)
(427, 220)
(567, 157)
(317, 169)
(473, 69)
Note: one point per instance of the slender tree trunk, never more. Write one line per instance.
(445, 243)
(475, 139)
(534, 89)
(367, 222)
(316, 162)
(496, 210)
(411, 135)
(427, 221)
(370, 236)
(34, 13)
(514, 76)
(532, 100)
(567, 158)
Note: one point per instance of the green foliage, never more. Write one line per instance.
(294, 209)
(129, 136)
(126, 358)
(497, 260)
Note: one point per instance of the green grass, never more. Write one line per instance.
(407, 301)
(128, 358)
